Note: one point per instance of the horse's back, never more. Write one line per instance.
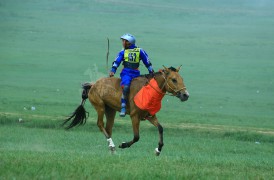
(107, 91)
(106, 85)
(111, 83)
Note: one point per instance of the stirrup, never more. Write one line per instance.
(123, 112)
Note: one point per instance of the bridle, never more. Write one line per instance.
(175, 92)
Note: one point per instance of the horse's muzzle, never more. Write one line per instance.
(183, 96)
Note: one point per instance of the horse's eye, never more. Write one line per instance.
(174, 80)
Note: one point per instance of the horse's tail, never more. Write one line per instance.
(80, 115)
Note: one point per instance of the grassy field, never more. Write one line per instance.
(224, 131)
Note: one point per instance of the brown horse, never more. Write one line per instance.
(105, 96)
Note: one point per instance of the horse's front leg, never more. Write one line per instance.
(153, 120)
(135, 125)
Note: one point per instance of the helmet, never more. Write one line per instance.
(130, 38)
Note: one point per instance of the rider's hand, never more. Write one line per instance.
(111, 74)
(150, 70)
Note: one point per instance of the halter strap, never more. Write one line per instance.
(166, 83)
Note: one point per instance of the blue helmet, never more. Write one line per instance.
(130, 38)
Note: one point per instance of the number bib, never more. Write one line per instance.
(132, 58)
(132, 55)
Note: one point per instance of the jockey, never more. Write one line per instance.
(131, 56)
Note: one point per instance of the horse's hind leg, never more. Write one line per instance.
(153, 120)
(100, 119)
(100, 123)
(110, 115)
(99, 106)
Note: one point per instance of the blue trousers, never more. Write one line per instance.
(127, 75)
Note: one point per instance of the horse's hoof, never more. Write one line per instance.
(123, 145)
(157, 152)
(112, 149)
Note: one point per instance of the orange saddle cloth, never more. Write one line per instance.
(149, 97)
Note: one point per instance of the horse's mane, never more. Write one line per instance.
(151, 75)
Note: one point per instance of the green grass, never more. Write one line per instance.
(43, 150)
(224, 131)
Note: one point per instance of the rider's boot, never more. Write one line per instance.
(124, 101)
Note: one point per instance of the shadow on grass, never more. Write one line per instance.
(125, 127)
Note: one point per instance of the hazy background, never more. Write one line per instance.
(225, 47)
(48, 48)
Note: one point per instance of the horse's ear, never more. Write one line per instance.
(178, 69)
(166, 69)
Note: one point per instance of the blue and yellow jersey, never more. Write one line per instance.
(131, 58)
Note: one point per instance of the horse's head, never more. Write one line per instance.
(174, 83)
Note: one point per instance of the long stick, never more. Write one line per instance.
(107, 56)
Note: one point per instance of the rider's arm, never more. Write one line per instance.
(146, 61)
(117, 61)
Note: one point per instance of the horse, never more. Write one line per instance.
(105, 96)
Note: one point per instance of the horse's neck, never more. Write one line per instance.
(160, 79)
